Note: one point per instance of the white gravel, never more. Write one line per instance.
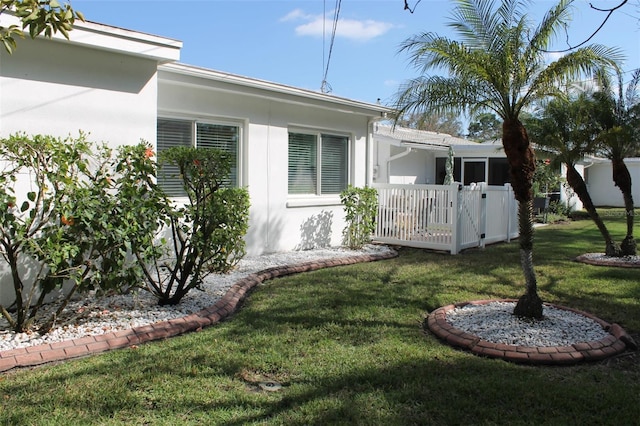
(495, 322)
(603, 259)
(90, 316)
(93, 316)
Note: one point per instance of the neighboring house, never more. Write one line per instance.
(295, 149)
(418, 157)
(598, 176)
(410, 156)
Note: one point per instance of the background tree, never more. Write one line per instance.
(498, 66)
(38, 16)
(617, 115)
(566, 127)
(486, 127)
(448, 123)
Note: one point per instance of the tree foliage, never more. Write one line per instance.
(37, 17)
(485, 127)
(567, 127)
(617, 113)
(448, 123)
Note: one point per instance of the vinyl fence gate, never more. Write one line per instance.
(445, 217)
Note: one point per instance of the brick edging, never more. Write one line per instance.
(616, 342)
(225, 306)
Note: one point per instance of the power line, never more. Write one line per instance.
(325, 87)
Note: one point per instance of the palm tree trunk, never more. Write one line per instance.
(576, 182)
(622, 179)
(522, 165)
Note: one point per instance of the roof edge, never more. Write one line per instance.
(255, 83)
(105, 37)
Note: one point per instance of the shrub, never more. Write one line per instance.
(204, 235)
(75, 228)
(360, 206)
(39, 176)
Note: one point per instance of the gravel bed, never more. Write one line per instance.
(602, 259)
(87, 315)
(495, 322)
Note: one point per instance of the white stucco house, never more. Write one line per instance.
(295, 149)
(597, 174)
(410, 156)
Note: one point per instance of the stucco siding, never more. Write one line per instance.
(601, 186)
(58, 89)
(278, 222)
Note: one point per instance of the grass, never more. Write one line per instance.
(348, 347)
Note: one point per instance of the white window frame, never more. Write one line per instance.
(318, 199)
(213, 121)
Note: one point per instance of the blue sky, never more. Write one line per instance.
(287, 41)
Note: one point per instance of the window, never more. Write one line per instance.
(498, 171)
(318, 163)
(173, 132)
(474, 171)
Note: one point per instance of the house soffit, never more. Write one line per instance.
(206, 79)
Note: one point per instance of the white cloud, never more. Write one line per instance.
(295, 15)
(315, 26)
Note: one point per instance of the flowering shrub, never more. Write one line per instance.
(546, 178)
(205, 234)
(77, 217)
(77, 224)
(39, 174)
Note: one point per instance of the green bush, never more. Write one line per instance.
(205, 234)
(94, 219)
(360, 206)
(74, 229)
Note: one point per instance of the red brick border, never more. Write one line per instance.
(616, 342)
(225, 306)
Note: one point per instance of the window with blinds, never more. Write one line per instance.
(174, 132)
(334, 158)
(318, 168)
(224, 138)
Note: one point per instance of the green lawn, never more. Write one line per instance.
(348, 346)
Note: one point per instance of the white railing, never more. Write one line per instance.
(445, 217)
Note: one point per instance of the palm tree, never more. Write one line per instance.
(499, 66)
(566, 127)
(617, 114)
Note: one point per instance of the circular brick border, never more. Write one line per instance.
(223, 308)
(616, 342)
(613, 262)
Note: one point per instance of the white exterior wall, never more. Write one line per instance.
(601, 186)
(59, 89)
(278, 222)
(103, 82)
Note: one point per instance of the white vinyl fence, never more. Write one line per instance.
(445, 217)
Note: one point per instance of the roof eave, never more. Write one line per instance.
(271, 90)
